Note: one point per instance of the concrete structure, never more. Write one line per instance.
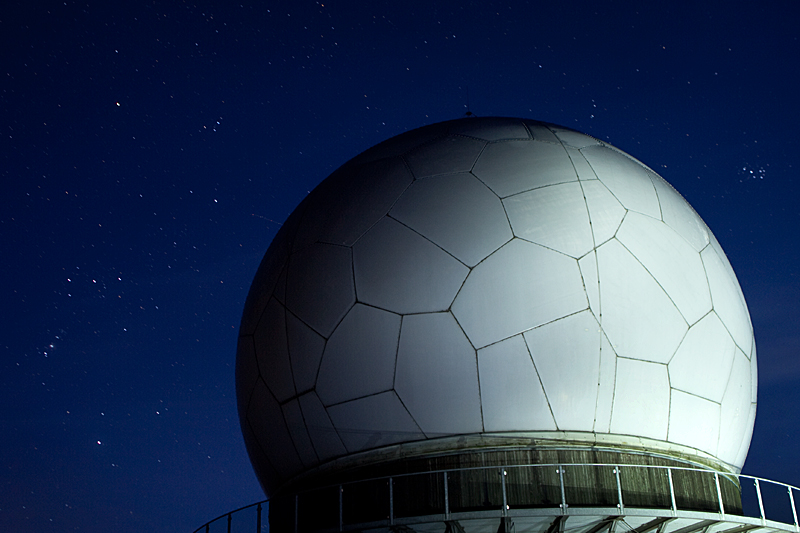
(465, 303)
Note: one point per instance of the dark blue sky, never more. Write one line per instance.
(150, 150)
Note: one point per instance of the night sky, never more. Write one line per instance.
(149, 152)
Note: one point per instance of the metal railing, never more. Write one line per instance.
(382, 502)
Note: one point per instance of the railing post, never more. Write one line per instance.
(794, 509)
(621, 505)
(672, 493)
(719, 496)
(503, 484)
(563, 493)
(341, 522)
(760, 503)
(258, 518)
(446, 498)
(296, 507)
(391, 501)
(229, 522)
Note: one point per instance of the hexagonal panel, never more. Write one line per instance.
(703, 361)
(588, 268)
(491, 128)
(272, 351)
(360, 355)
(554, 216)
(605, 211)
(373, 422)
(458, 213)
(444, 156)
(305, 352)
(641, 399)
(512, 398)
(297, 430)
(582, 167)
(398, 270)
(519, 287)
(605, 391)
(735, 423)
(627, 180)
(246, 370)
(742, 455)
(511, 167)
(671, 260)
(726, 296)
(573, 138)
(270, 431)
(323, 435)
(693, 421)
(566, 353)
(402, 143)
(679, 215)
(541, 132)
(437, 375)
(640, 320)
(320, 273)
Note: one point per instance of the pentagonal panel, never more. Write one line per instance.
(679, 215)
(671, 260)
(444, 156)
(360, 355)
(246, 370)
(398, 270)
(511, 167)
(512, 398)
(491, 128)
(735, 424)
(588, 267)
(519, 287)
(640, 320)
(573, 138)
(605, 211)
(567, 356)
(305, 352)
(437, 375)
(703, 361)
(540, 132)
(320, 273)
(605, 390)
(554, 217)
(323, 435)
(694, 422)
(297, 430)
(582, 167)
(625, 178)
(641, 399)
(352, 200)
(270, 431)
(456, 212)
(727, 297)
(373, 422)
(272, 351)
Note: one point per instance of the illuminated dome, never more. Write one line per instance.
(485, 281)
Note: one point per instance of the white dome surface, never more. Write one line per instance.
(486, 276)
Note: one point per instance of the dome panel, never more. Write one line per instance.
(359, 358)
(402, 143)
(458, 213)
(346, 205)
(553, 216)
(374, 421)
(693, 421)
(742, 455)
(679, 215)
(605, 211)
(267, 475)
(437, 375)
(320, 273)
(246, 371)
(512, 398)
(727, 298)
(640, 320)
(735, 414)
(511, 167)
(625, 178)
(444, 156)
(541, 132)
(270, 431)
(567, 356)
(323, 435)
(297, 431)
(272, 351)
(588, 268)
(491, 129)
(582, 167)
(703, 361)
(605, 392)
(305, 352)
(519, 287)
(753, 375)
(674, 264)
(573, 138)
(641, 399)
(398, 270)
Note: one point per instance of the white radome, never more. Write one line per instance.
(493, 276)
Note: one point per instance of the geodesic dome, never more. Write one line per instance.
(493, 276)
